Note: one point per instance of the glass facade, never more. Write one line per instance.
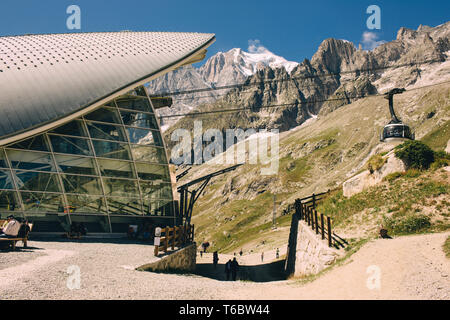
(109, 162)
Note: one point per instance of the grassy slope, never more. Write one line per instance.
(337, 146)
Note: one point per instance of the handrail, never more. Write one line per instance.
(176, 236)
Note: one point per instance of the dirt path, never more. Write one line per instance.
(412, 267)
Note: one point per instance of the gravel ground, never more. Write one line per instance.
(412, 267)
(18, 257)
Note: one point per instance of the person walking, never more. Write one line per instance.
(234, 268)
(262, 256)
(240, 253)
(278, 253)
(215, 259)
(228, 269)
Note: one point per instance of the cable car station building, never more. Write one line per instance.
(79, 140)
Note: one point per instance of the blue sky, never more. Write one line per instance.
(292, 29)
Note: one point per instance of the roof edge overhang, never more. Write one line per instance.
(193, 57)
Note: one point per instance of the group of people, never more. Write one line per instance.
(143, 232)
(13, 228)
(231, 267)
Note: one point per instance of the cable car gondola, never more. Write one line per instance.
(395, 129)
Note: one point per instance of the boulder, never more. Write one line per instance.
(366, 179)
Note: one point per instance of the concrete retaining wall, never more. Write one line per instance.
(182, 260)
(312, 254)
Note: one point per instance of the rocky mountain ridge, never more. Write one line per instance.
(338, 72)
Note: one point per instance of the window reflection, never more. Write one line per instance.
(31, 160)
(39, 201)
(36, 181)
(121, 187)
(116, 168)
(83, 203)
(106, 131)
(107, 149)
(144, 137)
(70, 145)
(102, 180)
(124, 206)
(8, 201)
(139, 119)
(75, 164)
(150, 154)
(81, 184)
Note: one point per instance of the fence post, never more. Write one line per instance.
(311, 211)
(173, 238)
(329, 232)
(323, 230)
(317, 223)
(166, 239)
(300, 210)
(308, 220)
(314, 200)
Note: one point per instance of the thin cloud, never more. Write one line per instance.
(370, 40)
(255, 46)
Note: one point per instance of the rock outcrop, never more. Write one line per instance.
(365, 179)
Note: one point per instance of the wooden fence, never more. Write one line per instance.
(172, 237)
(305, 209)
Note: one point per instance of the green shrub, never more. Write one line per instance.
(412, 173)
(441, 159)
(392, 176)
(439, 163)
(412, 223)
(375, 162)
(415, 154)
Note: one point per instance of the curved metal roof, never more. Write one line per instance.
(44, 78)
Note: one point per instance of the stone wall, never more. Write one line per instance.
(312, 254)
(182, 260)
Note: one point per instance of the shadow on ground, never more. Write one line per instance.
(92, 240)
(273, 271)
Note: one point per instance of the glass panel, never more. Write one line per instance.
(139, 91)
(75, 165)
(86, 203)
(81, 184)
(139, 119)
(137, 103)
(124, 206)
(150, 154)
(120, 187)
(73, 128)
(9, 201)
(38, 143)
(31, 160)
(116, 168)
(104, 115)
(106, 131)
(39, 201)
(149, 171)
(158, 207)
(112, 150)
(145, 137)
(152, 190)
(70, 145)
(3, 162)
(37, 181)
(6, 181)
